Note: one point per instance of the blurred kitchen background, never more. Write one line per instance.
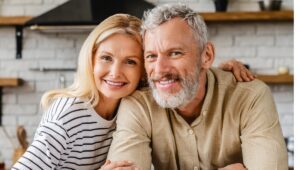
(41, 60)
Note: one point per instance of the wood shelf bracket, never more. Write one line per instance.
(19, 41)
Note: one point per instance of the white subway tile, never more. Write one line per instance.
(9, 120)
(234, 52)
(222, 41)
(284, 40)
(9, 98)
(287, 131)
(235, 29)
(22, 2)
(285, 107)
(254, 40)
(275, 52)
(12, 10)
(19, 109)
(287, 96)
(29, 98)
(29, 120)
(43, 86)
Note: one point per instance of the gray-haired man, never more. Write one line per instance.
(194, 117)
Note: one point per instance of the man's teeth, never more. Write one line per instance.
(166, 82)
(114, 83)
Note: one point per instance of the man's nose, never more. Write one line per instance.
(161, 64)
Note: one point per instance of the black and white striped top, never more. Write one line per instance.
(71, 135)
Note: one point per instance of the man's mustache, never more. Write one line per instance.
(167, 76)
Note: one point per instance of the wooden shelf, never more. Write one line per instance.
(277, 79)
(248, 16)
(208, 16)
(10, 82)
(13, 20)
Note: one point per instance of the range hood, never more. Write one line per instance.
(79, 15)
(84, 14)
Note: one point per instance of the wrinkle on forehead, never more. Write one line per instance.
(171, 34)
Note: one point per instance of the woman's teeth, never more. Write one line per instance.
(114, 83)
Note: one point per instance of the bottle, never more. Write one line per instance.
(2, 167)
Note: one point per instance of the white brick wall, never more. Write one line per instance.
(263, 45)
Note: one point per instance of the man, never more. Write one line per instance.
(194, 117)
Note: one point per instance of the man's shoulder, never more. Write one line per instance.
(141, 102)
(141, 95)
(227, 80)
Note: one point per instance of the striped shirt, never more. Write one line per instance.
(71, 135)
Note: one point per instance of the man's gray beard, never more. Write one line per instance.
(190, 85)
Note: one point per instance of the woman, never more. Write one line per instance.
(76, 129)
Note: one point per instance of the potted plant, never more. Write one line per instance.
(221, 5)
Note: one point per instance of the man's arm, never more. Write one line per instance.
(131, 141)
(263, 145)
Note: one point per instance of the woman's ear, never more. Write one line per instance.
(208, 56)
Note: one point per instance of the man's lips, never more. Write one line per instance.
(166, 83)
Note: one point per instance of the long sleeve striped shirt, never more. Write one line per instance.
(71, 135)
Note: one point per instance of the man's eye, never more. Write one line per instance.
(175, 53)
(106, 58)
(131, 62)
(150, 57)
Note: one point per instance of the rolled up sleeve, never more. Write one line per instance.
(263, 146)
(132, 139)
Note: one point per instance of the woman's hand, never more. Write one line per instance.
(240, 72)
(118, 165)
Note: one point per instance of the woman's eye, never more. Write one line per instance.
(131, 62)
(106, 58)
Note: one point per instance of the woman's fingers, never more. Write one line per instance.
(241, 73)
(118, 165)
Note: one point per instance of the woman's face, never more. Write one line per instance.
(118, 65)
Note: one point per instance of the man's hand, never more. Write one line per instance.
(118, 165)
(237, 166)
(241, 73)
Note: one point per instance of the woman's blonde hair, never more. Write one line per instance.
(84, 85)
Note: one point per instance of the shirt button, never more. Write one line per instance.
(204, 113)
(196, 168)
(191, 131)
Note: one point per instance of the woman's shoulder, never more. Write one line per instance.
(63, 106)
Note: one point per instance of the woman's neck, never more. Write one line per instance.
(107, 107)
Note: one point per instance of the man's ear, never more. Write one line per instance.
(208, 56)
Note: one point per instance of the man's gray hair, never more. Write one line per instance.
(163, 13)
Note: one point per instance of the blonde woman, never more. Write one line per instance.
(76, 129)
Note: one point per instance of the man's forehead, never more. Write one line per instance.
(174, 31)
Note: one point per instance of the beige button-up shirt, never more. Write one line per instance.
(238, 123)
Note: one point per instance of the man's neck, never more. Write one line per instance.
(192, 110)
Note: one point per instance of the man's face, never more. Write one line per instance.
(172, 62)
